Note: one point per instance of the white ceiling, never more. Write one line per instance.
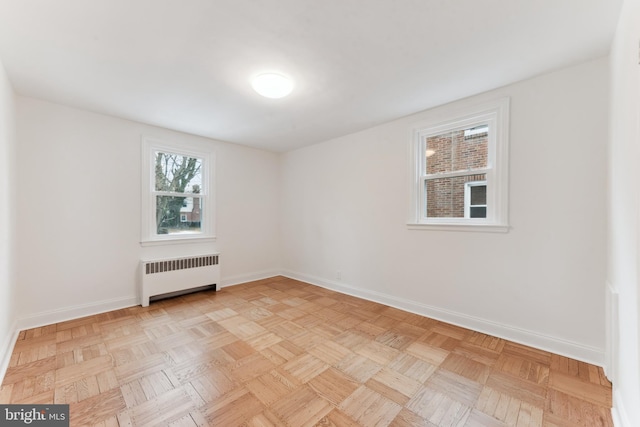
(186, 64)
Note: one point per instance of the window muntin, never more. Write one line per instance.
(178, 203)
(450, 154)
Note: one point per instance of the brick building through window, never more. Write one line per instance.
(460, 150)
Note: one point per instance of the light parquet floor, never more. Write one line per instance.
(279, 352)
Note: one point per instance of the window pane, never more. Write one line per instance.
(453, 151)
(478, 212)
(178, 215)
(478, 195)
(177, 173)
(445, 197)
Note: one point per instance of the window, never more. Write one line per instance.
(461, 170)
(177, 192)
(475, 199)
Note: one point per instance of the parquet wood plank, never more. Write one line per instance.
(377, 352)
(307, 339)
(301, 408)
(265, 419)
(97, 408)
(305, 367)
(406, 418)
(32, 369)
(279, 352)
(455, 386)
(518, 388)
(369, 408)
(400, 388)
(328, 330)
(368, 330)
(250, 367)
(394, 339)
(573, 386)
(6, 392)
(330, 352)
(214, 384)
(478, 353)
(438, 408)
(352, 339)
(35, 342)
(139, 368)
(468, 368)
(169, 407)
(217, 340)
(337, 418)
(194, 368)
(413, 367)
(480, 419)
(65, 394)
(233, 408)
(270, 387)
(569, 409)
(433, 355)
(507, 409)
(78, 371)
(39, 399)
(435, 339)
(358, 367)
(522, 368)
(333, 385)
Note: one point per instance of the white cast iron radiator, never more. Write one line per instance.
(162, 276)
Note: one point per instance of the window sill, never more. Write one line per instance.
(486, 228)
(177, 241)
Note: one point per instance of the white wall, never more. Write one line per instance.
(78, 211)
(345, 204)
(623, 231)
(7, 198)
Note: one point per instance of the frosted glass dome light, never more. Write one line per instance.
(272, 85)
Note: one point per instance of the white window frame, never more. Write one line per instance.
(467, 196)
(496, 115)
(150, 237)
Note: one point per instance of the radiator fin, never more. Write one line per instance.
(180, 264)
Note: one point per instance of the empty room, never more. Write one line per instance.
(298, 213)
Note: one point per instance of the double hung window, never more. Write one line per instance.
(461, 171)
(177, 196)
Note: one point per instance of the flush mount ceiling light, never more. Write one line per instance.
(272, 85)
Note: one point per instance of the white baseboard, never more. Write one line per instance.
(68, 313)
(6, 349)
(250, 277)
(75, 312)
(556, 345)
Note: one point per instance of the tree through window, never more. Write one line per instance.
(177, 180)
